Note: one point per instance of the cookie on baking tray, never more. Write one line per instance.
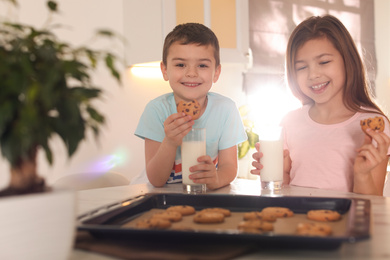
(259, 215)
(191, 108)
(173, 216)
(154, 223)
(313, 229)
(225, 212)
(376, 123)
(323, 215)
(209, 217)
(279, 212)
(185, 210)
(254, 225)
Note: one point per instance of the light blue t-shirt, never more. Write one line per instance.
(221, 119)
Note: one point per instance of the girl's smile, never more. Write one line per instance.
(319, 88)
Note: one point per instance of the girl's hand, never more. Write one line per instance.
(286, 163)
(256, 156)
(369, 156)
(205, 172)
(286, 166)
(176, 126)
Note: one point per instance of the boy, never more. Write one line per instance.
(191, 64)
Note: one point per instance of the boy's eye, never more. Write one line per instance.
(203, 66)
(179, 65)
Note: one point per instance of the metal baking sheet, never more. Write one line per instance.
(108, 221)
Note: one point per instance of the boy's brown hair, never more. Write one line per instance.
(191, 33)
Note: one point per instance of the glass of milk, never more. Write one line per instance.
(271, 145)
(193, 146)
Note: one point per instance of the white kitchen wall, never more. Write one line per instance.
(382, 43)
(118, 148)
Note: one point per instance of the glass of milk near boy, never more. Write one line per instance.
(271, 145)
(193, 146)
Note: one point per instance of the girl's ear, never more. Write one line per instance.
(164, 71)
(217, 73)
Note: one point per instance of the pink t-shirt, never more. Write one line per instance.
(323, 155)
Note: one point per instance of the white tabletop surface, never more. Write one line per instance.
(376, 247)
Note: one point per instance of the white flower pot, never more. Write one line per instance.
(37, 226)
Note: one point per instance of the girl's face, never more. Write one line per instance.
(320, 71)
(190, 70)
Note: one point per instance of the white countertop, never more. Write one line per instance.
(376, 247)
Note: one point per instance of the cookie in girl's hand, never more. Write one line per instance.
(191, 108)
(376, 123)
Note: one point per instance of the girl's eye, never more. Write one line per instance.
(181, 65)
(203, 66)
(300, 68)
(324, 62)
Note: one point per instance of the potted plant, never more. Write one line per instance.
(46, 90)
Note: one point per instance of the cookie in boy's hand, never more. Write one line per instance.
(376, 123)
(191, 108)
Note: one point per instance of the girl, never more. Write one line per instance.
(325, 145)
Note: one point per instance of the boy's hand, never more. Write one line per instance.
(369, 156)
(176, 126)
(205, 172)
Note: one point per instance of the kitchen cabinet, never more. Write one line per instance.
(147, 22)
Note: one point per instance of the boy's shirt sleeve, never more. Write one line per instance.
(151, 124)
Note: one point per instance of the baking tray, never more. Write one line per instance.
(108, 221)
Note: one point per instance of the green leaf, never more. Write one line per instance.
(49, 154)
(95, 115)
(110, 64)
(92, 57)
(52, 6)
(105, 33)
(252, 138)
(14, 2)
(243, 149)
(244, 110)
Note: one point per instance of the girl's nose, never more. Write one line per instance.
(314, 73)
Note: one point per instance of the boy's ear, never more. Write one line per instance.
(164, 71)
(217, 73)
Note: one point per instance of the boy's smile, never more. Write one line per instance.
(191, 71)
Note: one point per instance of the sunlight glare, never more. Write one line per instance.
(269, 105)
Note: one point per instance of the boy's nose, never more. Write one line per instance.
(191, 72)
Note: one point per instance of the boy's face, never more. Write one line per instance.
(190, 70)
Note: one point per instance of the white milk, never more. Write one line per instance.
(190, 152)
(272, 160)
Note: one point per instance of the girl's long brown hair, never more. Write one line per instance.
(357, 91)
